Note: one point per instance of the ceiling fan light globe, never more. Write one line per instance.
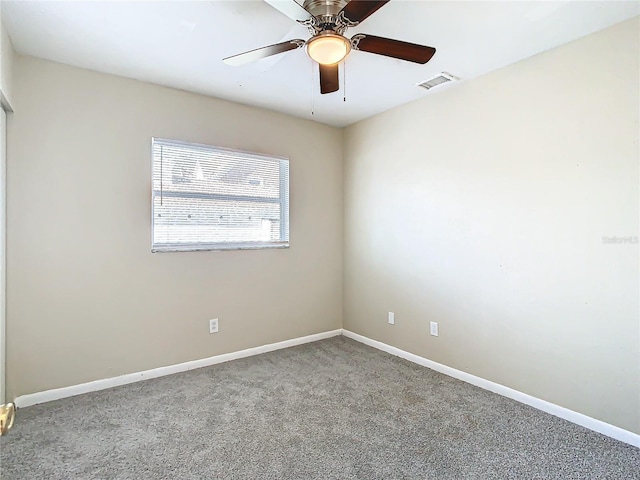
(328, 48)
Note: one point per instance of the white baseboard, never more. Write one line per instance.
(548, 407)
(574, 417)
(58, 393)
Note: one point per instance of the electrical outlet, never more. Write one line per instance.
(392, 319)
(434, 329)
(213, 325)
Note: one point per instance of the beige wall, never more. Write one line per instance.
(484, 207)
(86, 297)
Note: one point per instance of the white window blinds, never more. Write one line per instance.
(211, 198)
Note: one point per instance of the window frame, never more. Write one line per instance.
(282, 200)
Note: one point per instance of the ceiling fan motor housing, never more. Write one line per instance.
(327, 46)
(324, 8)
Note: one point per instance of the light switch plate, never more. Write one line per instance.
(434, 329)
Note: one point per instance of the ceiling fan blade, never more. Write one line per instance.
(258, 53)
(392, 48)
(357, 10)
(291, 9)
(329, 81)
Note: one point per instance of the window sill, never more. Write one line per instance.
(213, 248)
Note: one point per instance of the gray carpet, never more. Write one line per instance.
(333, 409)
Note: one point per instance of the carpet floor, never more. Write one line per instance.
(333, 409)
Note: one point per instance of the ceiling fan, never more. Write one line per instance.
(328, 20)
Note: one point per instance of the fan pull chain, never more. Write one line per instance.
(313, 79)
(344, 81)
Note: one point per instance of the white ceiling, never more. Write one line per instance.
(181, 44)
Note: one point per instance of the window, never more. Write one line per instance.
(211, 198)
